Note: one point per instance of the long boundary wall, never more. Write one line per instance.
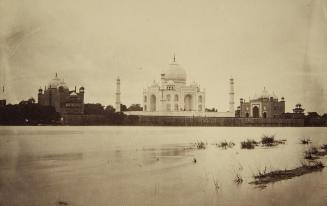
(219, 121)
(189, 121)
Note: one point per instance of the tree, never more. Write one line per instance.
(123, 108)
(211, 110)
(28, 113)
(135, 107)
(109, 109)
(93, 109)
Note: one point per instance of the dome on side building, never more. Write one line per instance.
(56, 82)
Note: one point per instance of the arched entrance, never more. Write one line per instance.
(153, 103)
(255, 112)
(188, 102)
(247, 115)
(264, 115)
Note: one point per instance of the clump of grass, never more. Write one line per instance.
(248, 144)
(238, 179)
(264, 177)
(314, 152)
(305, 141)
(312, 165)
(62, 203)
(324, 147)
(261, 173)
(311, 153)
(200, 145)
(269, 140)
(216, 184)
(225, 144)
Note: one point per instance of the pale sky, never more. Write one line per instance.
(277, 44)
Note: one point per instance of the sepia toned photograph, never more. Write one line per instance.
(163, 102)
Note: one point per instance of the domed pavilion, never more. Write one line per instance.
(172, 94)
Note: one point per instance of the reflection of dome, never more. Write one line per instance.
(56, 82)
(175, 72)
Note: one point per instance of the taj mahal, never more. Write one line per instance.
(172, 96)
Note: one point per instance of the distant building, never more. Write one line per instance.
(264, 106)
(58, 95)
(172, 96)
(172, 93)
(298, 113)
(298, 109)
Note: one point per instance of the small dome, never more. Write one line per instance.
(264, 94)
(155, 84)
(175, 72)
(170, 82)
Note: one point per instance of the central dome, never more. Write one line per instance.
(56, 82)
(175, 72)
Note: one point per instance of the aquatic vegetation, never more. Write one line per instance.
(62, 203)
(216, 184)
(270, 141)
(200, 145)
(305, 141)
(264, 177)
(225, 144)
(324, 147)
(248, 144)
(309, 156)
(314, 152)
(238, 179)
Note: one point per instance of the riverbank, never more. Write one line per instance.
(132, 120)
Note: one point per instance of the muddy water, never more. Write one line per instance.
(151, 166)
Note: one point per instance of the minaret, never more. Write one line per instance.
(3, 88)
(231, 96)
(117, 95)
(2, 97)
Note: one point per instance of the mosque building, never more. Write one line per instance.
(265, 105)
(172, 96)
(58, 95)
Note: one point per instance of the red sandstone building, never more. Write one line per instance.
(59, 96)
(264, 106)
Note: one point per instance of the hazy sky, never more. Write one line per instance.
(277, 44)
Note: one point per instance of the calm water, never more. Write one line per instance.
(151, 166)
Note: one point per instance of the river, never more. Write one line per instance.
(139, 166)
